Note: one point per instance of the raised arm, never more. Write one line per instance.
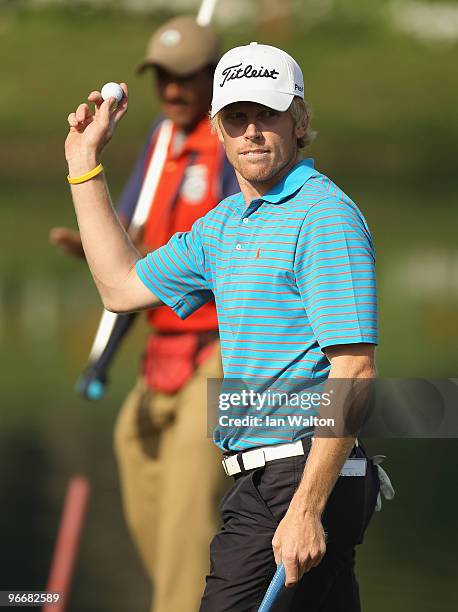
(110, 253)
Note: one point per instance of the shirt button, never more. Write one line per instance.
(245, 220)
(238, 247)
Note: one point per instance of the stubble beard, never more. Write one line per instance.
(259, 176)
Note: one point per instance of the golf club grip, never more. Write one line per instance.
(274, 588)
(92, 381)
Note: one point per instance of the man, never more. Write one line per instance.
(164, 415)
(291, 265)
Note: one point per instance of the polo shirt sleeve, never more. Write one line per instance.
(335, 274)
(176, 272)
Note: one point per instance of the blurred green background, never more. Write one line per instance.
(384, 91)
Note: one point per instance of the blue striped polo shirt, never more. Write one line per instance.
(291, 273)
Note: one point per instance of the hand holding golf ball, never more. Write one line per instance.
(92, 128)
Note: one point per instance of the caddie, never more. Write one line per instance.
(290, 263)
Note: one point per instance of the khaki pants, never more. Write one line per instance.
(171, 482)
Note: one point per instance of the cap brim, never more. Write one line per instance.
(172, 67)
(272, 99)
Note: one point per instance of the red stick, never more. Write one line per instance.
(67, 543)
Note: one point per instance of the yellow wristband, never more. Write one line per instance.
(85, 177)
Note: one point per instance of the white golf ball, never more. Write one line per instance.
(112, 90)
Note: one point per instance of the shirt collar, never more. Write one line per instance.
(291, 182)
(284, 189)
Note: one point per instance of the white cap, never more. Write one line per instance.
(257, 73)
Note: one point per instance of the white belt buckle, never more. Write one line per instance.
(253, 459)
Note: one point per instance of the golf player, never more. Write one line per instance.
(164, 415)
(290, 263)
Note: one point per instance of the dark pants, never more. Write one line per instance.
(241, 558)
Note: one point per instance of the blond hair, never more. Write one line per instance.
(301, 113)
